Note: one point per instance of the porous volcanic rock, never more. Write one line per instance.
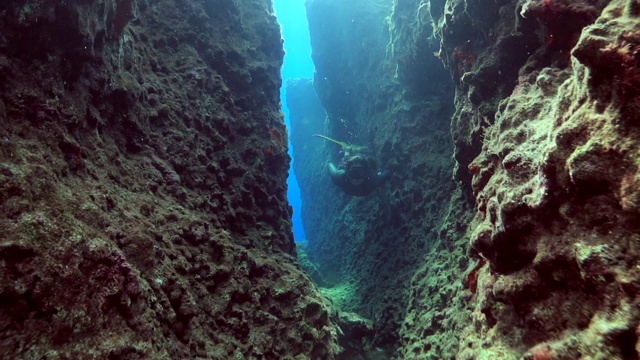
(143, 166)
(556, 188)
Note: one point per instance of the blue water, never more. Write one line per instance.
(292, 17)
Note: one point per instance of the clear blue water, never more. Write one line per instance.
(292, 17)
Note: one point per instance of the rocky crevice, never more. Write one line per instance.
(545, 142)
(374, 253)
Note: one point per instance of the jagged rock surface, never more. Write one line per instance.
(142, 185)
(557, 195)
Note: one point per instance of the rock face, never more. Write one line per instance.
(556, 186)
(307, 118)
(532, 252)
(143, 209)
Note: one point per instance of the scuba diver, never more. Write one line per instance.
(357, 175)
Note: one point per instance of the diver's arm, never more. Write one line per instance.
(337, 175)
(335, 172)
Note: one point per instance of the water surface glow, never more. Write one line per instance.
(292, 17)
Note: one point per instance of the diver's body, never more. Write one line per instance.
(357, 175)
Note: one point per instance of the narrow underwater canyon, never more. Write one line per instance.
(144, 163)
(509, 227)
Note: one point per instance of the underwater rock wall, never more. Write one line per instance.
(143, 209)
(436, 303)
(547, 125)
(393, 254)
(307, 117)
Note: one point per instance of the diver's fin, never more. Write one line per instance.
(343, 144)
